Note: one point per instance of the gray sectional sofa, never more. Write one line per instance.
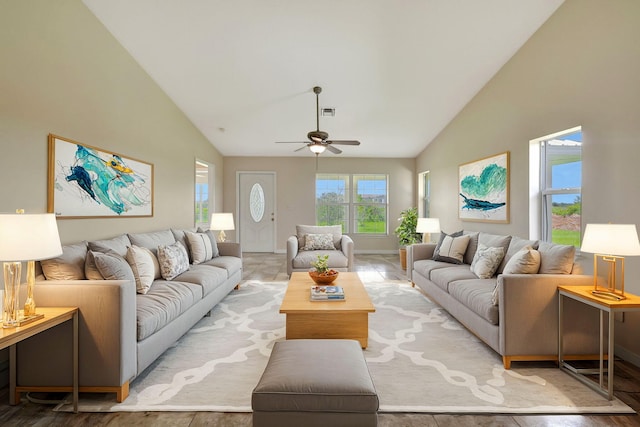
(136, 298)
(514, 312)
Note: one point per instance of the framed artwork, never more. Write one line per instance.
(88, 182)
(483, 189)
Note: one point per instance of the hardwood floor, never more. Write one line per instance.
(372, 268)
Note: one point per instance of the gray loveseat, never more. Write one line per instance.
(126, 321)
(515, 314)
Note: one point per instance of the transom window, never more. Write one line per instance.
(357, 202)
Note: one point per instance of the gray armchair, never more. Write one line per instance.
(311, 240)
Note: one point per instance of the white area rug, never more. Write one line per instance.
(420, 358)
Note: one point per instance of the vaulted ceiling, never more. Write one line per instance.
(396, 72)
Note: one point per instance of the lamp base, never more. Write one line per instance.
(608, 295)
(222, 237)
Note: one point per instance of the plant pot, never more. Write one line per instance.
(403, 258)
(323, 278)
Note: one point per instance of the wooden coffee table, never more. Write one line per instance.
(348, 319)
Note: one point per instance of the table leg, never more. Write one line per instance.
(610, 356)
(75, 362)
(560, 343)
(12, 375)
(601, 361)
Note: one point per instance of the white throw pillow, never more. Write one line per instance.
(525, 261)
(318, 242)
(486, 261)
(452, 249)
(201, 247)
(145, 267)
(173, 260)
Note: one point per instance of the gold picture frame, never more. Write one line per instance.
(89, 182)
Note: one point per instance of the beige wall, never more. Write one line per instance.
(581, 68)
(295, 182)
(63, 73)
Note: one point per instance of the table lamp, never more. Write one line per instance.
(609, 243)
(426, 226)
(24, 237)
(222, 222)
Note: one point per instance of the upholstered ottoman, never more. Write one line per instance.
(315, 383)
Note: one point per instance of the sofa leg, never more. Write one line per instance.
(122, 393)
(237, 287)
(506, 361)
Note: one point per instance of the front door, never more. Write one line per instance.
(256, 210)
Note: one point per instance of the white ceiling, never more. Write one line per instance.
(395, 71)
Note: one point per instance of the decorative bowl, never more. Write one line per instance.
(323, 278)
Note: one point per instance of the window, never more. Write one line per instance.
(424, 194)
(203, 193)
(357, 202)
(560, 177)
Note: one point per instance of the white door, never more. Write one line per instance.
(256, 210)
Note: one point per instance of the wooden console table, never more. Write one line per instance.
(53, 316)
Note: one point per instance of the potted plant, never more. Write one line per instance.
(406, 232)
(322, 274)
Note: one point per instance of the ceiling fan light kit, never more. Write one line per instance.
(319, 139)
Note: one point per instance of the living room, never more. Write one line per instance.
(64, 73)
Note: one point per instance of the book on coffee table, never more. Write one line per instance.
(327, 293)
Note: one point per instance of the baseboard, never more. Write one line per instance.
(627, 355)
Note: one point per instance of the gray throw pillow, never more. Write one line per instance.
(113, 267)
(200, 246)
(525, 261)
(452, 249)
(68, 266)
(556, 259)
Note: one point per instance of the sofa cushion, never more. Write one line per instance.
(145, 267)
(515, 245)
(164, 302)
(486, 261)
(472, 247)
(525, 261)
(230, 264)
(152, 240)
(426, 266)
(334, 230)
(336, 259)
(314, 242)
(442, 277)
(113, 266)
(476, 295)
(556, 259)
(173, 260)
(200, 247)
(451, 249)
(208, 277)
(117, 245)
(69, 265)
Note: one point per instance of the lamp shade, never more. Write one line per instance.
(428, 225)
(28, 237)
(611, 239)
(222, 221)
(317, 148)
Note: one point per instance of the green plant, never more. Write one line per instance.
(320, 264)
(406, 231)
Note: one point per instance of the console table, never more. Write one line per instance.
(583, 294)
(53, 316)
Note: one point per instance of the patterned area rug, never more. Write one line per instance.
(420, 358)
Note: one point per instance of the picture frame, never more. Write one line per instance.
(483, 189)
(89, 182)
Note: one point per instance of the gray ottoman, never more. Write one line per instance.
(315, 383)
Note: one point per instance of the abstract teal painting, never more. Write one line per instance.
(85, 182)
(483, 192)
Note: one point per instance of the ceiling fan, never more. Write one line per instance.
(319, 140)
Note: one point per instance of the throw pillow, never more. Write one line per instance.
(334, 230)
(556, 259)
(214, 241)
(68, 266)
(145, 267)
(525, 261)
(452, 249)
(486, 261)
(173, 260)
(113, 266)
(495, 296)
(318, 241)
(200, 245)
(436, 251)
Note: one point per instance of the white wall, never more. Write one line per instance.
(581, 68)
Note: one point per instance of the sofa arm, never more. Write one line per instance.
(347, 246)
(528, 313)
(107, 335)
(417, 252)
(292, 251)
(230, 249)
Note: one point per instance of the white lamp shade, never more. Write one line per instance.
(28, 237)
(428, 225)
(222, 221)
(611, 239)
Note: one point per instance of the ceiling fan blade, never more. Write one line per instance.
(301, 148)
(343, 142)
(333, 149)
(291, 142)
